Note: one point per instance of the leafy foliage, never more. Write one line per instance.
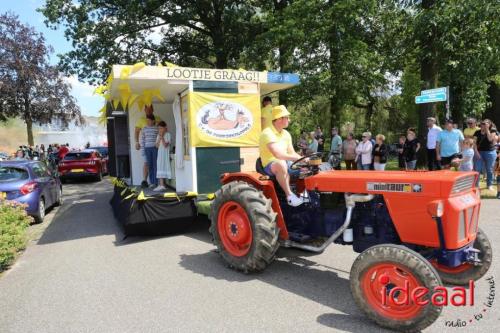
(13, 225)
(31, 88)
(360, 61)
(189, 33)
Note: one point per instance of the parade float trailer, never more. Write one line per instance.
(213, 116)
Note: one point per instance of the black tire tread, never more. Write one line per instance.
(401, 255)
(263, 219)
(37, 217)
(59, 202)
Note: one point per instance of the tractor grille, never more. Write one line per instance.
(462, 184)
(473, 214)
(467, 222)
(461, 225)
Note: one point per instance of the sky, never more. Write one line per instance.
(26, 10)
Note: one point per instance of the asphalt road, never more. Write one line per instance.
(81, 276)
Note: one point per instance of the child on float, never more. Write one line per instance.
(163, 170)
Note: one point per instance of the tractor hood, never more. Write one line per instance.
(414, 183)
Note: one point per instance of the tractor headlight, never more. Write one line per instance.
(435, 208)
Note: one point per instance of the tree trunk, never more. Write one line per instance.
(334, 58)
(218, 38)
(28, 119)
(456, 101)
(29, 129)
(429, 77)
(221, 59)
(368, 116)
(493, 112)
(334, 111)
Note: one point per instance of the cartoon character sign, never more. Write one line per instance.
(224, 120)
(220, 119)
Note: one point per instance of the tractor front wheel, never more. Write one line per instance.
(243, 226)
(382, 268)
(461, 275)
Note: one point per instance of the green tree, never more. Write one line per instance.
(190, 33)
(456, 43)
(470, 52)
(340, 49)
(31, 89)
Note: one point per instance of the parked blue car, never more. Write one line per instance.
(31, 183)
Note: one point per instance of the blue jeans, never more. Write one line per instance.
(411, 165)
(151, 157)
(487, 160)
(365, 166)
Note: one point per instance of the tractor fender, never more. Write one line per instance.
(264, 184)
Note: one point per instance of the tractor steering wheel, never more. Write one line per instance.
(297, 164)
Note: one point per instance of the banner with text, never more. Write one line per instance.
(218, 119)
(186, 73)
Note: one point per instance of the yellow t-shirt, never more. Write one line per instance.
(267, 114)
(469, 132)
(142, 122)
(271, 135)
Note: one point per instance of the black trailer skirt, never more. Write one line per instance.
(152, 215)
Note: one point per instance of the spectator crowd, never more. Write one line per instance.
(477, 148)
(52, 154)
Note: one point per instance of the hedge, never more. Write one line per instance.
(13, 225)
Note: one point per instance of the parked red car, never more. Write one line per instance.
(85, 163)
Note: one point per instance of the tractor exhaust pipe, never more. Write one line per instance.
(350, 200)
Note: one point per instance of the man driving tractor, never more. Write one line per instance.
(277, 152)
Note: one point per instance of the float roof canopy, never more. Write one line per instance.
(173, 80)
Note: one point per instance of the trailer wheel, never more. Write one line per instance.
(381, 268)
(243, 226)
(461, 275)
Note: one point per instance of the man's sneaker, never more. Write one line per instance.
(144, 184)
(491, 188)
(159, 188)
(294, 200)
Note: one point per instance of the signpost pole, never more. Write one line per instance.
(448, 102)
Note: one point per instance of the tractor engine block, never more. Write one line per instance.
(326, 212)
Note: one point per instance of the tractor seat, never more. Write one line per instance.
(260, 169)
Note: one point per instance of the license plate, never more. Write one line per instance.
(77, 170)
(3, 195)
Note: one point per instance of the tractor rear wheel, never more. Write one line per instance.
(244, 227)
(461, 275)
(381, 268)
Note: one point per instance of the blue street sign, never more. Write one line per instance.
(433, 91)
(430, 98)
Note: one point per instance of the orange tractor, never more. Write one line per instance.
(414, 230)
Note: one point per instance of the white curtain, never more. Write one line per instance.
(179, 146)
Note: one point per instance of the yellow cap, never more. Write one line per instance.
(280, 111)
